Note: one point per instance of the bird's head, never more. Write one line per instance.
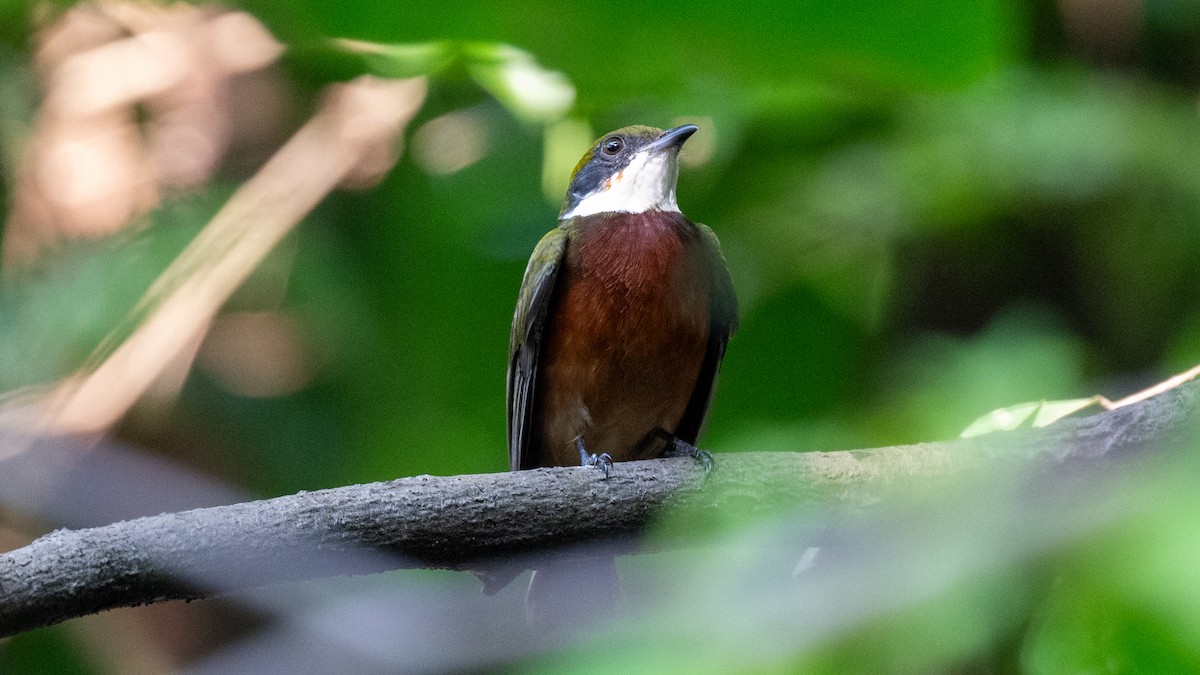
(630, 170)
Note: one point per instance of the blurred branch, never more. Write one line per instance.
(458, 522)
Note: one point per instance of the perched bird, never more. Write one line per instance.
(621, 322)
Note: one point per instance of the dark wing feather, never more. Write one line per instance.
(723, 322)
(525, 342)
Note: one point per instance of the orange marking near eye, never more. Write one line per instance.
(616, 178)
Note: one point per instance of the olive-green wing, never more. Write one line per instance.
(525, 343)
(723, 323)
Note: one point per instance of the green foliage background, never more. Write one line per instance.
(930, 209)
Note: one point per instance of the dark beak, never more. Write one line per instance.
(672, 138)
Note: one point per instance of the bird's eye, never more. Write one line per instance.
(612, 145)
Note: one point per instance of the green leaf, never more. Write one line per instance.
(513, 76)
(1028, 415)
(531, 92)
(400, 60)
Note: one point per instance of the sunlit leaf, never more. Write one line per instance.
(1029, 415)
(400, 60)
(530, 91)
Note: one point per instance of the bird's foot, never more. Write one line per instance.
(678, 448)
(603, 461)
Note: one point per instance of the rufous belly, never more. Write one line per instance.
(625, 342)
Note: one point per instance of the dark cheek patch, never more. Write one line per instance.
(593, 176)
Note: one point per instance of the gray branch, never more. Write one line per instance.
(462, 522)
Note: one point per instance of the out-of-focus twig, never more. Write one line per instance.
(138, 100)
(1166, 385)
(357, 120)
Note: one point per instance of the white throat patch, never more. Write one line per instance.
(647, 182)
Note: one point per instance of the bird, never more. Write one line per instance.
(622, 321)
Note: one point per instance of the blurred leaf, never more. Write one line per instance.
(400, 60)
(1029, 415)
(927, 43)
(513, 76)
(942, 382)
(46, 650)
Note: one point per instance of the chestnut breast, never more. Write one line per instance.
(627, 336)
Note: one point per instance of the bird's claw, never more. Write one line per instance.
(602, 461)
(679, 448)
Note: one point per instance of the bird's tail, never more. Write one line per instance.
(569, 595)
